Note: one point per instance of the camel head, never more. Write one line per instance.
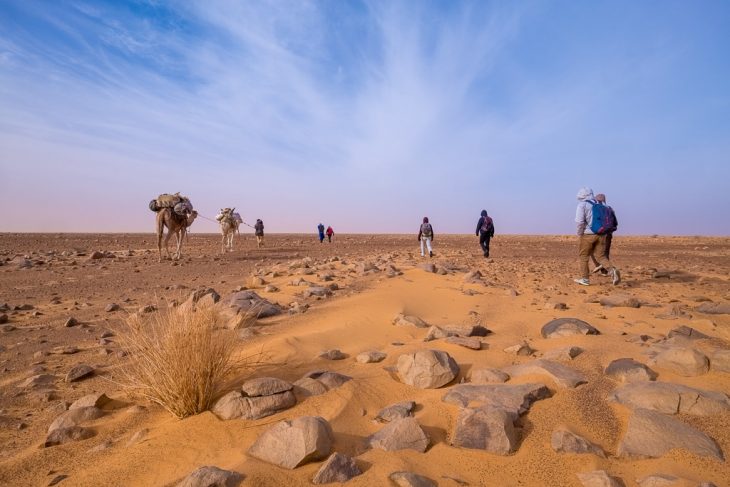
(191, 217)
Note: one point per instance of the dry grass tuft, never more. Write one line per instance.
(180, 360)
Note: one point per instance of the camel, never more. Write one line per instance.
(229, 227)
(176, 224)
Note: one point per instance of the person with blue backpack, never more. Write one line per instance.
(594, 223)
(320, 229)
(485, 232)
(601, 199)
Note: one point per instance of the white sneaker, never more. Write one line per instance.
(582, 282)
(616, 276)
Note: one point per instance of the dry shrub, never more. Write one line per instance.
(179, 359)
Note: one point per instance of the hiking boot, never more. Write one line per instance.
(486, 254)
(582, 282)
(615, 276)
(430, 254)
(598, 268)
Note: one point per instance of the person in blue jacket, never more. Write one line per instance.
(320, 229)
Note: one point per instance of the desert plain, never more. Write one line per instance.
(523, 404)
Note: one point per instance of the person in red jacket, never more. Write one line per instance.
(330, 232)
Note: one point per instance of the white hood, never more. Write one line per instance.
(585, 194)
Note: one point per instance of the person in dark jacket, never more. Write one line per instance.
(259, 232)
(330, 233)
(320, 229)
(485, 232)
(425, 236)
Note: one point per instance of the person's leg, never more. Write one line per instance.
(609, 237)
(605, 261)
(428, 244)
(482, 238)
(486, 245)
(422, 244)
(585, 249)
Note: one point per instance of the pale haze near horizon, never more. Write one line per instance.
(365, 116)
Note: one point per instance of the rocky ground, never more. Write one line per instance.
(377, 365)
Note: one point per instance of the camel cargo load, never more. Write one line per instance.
(179, 204)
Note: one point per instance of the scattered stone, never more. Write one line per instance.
(235, 405)
(243, 307)
(400, 434)
(318, 291)
(620, 301)
(71, 322)
(333, 354)
(670, 398)
(435, 332)
(309, 387)
(65, 350)
(562, 375)
(371, 357)
(564, 441)
(290, 444)
(95, 255)
(687, 332)
(396, 411)
(427, 369)
(720, 361)
(563, 353)
(485, 428)
(111, 307)
(91, 400)
(515, 399)
(211, 477)
(38, 381)
(409, 479)
(683, 361)
(714, 308)
(599, 478)
(467, 342)
(265, 386)
(79, 372)
(149, 308)
(473, 277)
(60, 436)
(337, 468)
(629, 370)
(651, 434)
(522, 349)
(555, 305)
(487, 375)
(74, 417)
(407, 320)
(3, 318)
(562, 327)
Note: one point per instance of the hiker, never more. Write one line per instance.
(601, 199)
(590, 217)
(330, 232)
(259, 232)
(485, 231)
(425, 236)
(320, 229)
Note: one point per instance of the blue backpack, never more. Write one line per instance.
(604, 219)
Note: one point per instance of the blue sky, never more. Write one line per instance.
(366, 116)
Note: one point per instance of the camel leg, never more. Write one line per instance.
(179, 236)
(223, 243)
(160, 231)
(167, 243)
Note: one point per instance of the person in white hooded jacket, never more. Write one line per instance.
(590, 243)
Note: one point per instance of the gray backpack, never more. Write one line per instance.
(426, 230)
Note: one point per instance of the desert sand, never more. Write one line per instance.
(668, 282)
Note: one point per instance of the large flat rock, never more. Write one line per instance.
(562, 327)
(563, 375)
(669, 398)
(400, 434)
(485, 428)
(427, 369)
(652, 435)
(293, 443)
(516, 399)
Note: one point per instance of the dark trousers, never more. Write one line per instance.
(484, 239)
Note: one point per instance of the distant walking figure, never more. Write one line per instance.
(320, 229)
(485, 231)
(593, 226)
(259, 232)
(330, 232)
(425, 236)
(601, 198)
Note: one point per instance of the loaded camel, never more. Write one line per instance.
(176, 224)
(229, 222)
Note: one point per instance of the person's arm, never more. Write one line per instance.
(420, 232)
(580, 218)
(433, 234)
(479, 224)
